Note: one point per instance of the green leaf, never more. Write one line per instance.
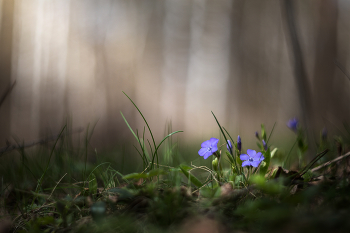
(230, 157)
(238, 180)
(207, 192)
(273, 152)
(92, 184)
(135, 176)
(267, 155)
(268, 187)
(272, 176)
(189, 176)
(258, 180)
(156, 172)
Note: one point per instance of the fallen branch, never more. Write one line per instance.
(10, 147)
(330, 162)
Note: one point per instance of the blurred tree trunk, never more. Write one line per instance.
(208, 69)
(300, 73)
(176, 30)
(256, 61)
(328, 89)
(236, 56)
(6, 40)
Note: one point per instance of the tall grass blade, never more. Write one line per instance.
(222, 131)
(48, 163)
(150, 131)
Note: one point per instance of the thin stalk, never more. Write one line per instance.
(150, 131)
(47, 166)
(226, 141)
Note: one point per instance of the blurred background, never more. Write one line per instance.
(250, 62)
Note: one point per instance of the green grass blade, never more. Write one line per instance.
(150, 131)
(48, 163)
(236, 167)
(179, 131)
(273, 128)
(98, 167)
(132, 131)
(92, 184)
(192, 178)
(144, 155)
(232, 143)
(290, 151)
(144, 159)
(267, 155)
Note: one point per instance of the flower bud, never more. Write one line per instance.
(229, 146)
(239, 144)
(264, 144)
(215, 164)
(257, 135)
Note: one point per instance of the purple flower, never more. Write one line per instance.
(229, 146)
(239, 143)
(208, 147)
(251, 158)
(264, 144)
(293, 123)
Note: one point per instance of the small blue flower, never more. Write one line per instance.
(239, 143)
(229, 146)
(293, 124)
(251, 158)
(208, 147)
(264, 144)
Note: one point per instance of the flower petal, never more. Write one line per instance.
(293, 124)
(244, 157)
(213, 141)
(202, 151)
(206, 155)
(255, 163)
(251, 153)
(245, 163)
(260, 158)
(257, 156)
(206, 144)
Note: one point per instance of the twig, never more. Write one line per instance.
(7, 92)
(318, 157)
(307, 167)
(330, 162)
(55, 187)
(248, 189)
(42, 141)
(342, 69)
(204, 168)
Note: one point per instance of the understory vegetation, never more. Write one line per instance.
(56, 187)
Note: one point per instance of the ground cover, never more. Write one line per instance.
(55, 187)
